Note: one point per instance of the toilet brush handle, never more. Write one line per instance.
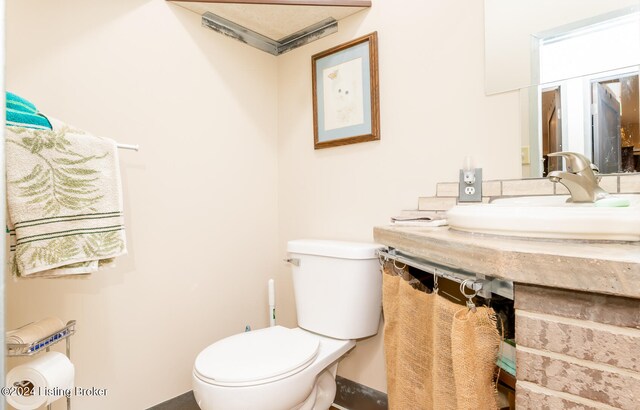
(272, 303)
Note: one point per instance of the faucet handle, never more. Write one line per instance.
(575, 162)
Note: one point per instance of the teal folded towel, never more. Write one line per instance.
(27, 120)
(15, 102)
(23, 113)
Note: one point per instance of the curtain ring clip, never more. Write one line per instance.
(398, 270)
(470, 304)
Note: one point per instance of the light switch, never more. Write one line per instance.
(524, 153)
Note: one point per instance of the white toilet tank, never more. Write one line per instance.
(338, 287)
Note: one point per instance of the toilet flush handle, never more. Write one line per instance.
(293, 261)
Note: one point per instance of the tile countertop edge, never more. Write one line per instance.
(599, 267)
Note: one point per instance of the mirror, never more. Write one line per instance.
(576, 65)
(515, 28)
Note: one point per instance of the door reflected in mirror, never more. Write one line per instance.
(595, 116)
(551, 128)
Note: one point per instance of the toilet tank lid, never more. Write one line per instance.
(334, 249)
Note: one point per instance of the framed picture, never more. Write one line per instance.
(345, 93)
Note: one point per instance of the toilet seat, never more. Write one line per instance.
(257, 357)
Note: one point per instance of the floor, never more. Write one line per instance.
(184, 402)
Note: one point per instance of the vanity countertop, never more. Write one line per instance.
(600, 267)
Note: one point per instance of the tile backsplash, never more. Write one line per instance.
(447, 192)
(630, 184)
(521, 187)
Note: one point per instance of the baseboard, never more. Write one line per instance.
(355, 396)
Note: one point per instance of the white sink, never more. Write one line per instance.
(550, 217)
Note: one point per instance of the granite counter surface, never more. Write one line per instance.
(600, 267)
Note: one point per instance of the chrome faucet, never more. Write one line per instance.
(579, 178)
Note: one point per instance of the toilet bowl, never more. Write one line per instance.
(275, 368)
(337, 286)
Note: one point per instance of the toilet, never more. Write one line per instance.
(338, 292)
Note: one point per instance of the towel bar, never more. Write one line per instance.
(128, 146)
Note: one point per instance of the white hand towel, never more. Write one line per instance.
(35, 331)
(419, 219)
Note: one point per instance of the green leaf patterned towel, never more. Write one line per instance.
(64, 200)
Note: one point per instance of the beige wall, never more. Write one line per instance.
(227, 165)
(433, 113)
(200, 193)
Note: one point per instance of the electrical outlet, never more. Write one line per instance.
(470, 186)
